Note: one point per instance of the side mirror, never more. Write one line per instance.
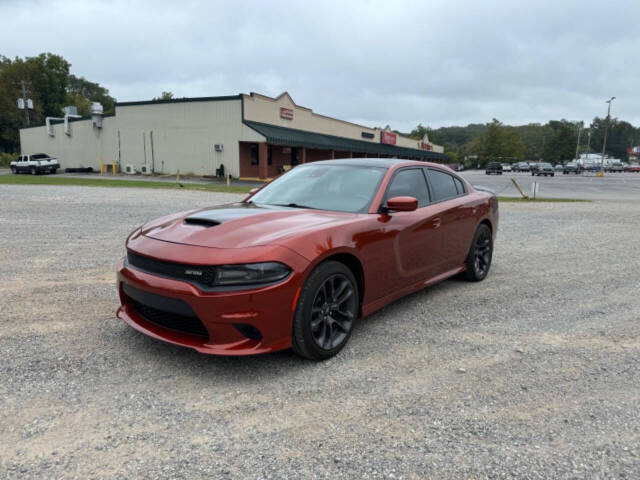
(253, 190)
(402, 204)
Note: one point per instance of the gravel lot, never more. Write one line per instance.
(533, 373)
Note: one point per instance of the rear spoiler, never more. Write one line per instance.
(494, 197)
(485, 189)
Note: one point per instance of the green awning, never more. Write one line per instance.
(299, 138)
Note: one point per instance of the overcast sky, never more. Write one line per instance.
(375, 63)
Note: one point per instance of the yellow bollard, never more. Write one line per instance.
(101, 167)
(178, 177)
(113, 167)
(228, 179)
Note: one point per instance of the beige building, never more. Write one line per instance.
(252, 136)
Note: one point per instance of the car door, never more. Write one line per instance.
(456, 217)
(412, 239)
(22, 163)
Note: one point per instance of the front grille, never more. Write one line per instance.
(172, 321)
(203, 275)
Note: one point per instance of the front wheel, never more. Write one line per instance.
(480, 254)
(13, 169)
(327, 307)
(33, 171)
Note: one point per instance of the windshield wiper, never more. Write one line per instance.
(292, 205)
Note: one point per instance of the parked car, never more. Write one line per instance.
(634, 167)
(542, 168)
(520, 167)
(571, 167)
(559, 167)
(297, 262)
(34, 163)
(506, 167)
(493, 168)
(614, 167)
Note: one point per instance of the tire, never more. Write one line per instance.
(480, 254)
(552, 174)
(33, 171)
(13, 169)
(323, 324)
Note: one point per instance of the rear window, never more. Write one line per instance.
(443, 185)
(37, 156)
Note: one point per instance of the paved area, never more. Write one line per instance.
(532, 374)
(587, 186)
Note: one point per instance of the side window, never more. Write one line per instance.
(409, 182)
(443, 185)
(459, 185)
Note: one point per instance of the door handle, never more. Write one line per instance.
(436, 222)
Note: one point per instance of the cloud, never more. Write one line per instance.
(378, 63)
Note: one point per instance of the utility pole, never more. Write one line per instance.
(26, 106)
(606, 127)
(578, 142)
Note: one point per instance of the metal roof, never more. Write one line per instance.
(299, 138)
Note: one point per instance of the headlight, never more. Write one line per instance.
(251, 273)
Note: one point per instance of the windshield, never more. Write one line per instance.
(545, 165)
(341, 188)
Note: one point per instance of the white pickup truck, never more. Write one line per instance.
(35, 163)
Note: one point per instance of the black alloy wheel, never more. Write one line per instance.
(33, 171)
(480, 254)
(13, 169)
(327, 308)
(332, 312)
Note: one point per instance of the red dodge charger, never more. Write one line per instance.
(297, 262)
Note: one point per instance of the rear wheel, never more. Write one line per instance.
(33, 171)
(327, 307)
(480, 254)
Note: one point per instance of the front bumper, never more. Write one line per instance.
(224, 315)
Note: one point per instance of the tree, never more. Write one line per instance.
(562, 144)
(498, 143)
(82, 92)
(165, 96)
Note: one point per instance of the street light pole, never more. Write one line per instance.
(606, 127)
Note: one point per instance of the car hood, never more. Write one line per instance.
(241, 225)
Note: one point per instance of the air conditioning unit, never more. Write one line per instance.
(218, 147)
(129, 169)
(145, 170)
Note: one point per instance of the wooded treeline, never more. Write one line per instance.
(554, 141)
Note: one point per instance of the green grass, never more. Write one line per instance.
(531, 200)
(117, 183)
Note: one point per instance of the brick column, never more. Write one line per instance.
(263, 167)
(350, 154)
(333, 154)
(303, 154)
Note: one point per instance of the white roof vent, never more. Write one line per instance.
(96, 108)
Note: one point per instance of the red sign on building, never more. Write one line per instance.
(424, 146)
(388, 138)
(286, 113)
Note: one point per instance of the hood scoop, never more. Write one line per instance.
(202, 222)
(215, 216)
